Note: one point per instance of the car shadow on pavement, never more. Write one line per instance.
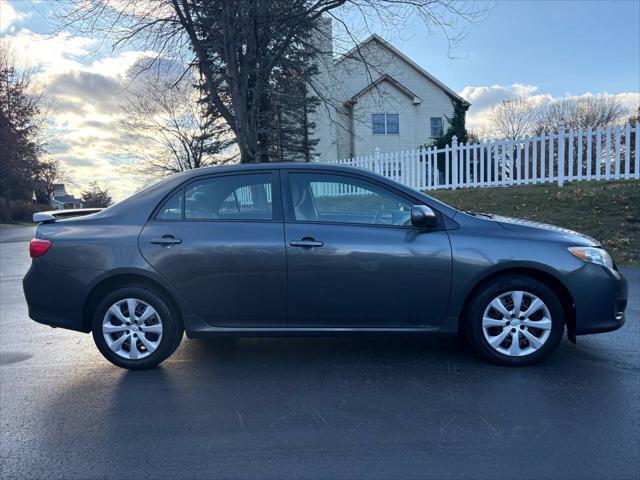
(296, 407)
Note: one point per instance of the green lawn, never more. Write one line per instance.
(608, 211)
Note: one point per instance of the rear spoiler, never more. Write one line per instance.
(53, 215)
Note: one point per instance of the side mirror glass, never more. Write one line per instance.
(422, 216)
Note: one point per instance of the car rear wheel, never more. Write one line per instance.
(515, 320)
(134, 328)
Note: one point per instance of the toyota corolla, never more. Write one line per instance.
(278, 249)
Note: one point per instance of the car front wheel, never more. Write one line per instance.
(134, 328)
(515, 320)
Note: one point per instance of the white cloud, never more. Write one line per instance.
(49, 54)
(120, 65)
(9, 15)
(86, 92)
(484, 99)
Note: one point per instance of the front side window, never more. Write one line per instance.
(436, 127)
(385, 123)
(229, 197)
(342, 199)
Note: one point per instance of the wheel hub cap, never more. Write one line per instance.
(516, 323)
(132, 328)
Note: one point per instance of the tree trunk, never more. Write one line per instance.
(264, 125)
(246, 146)
(280, 141)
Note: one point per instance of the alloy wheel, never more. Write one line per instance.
(516, 323)
(132, 328)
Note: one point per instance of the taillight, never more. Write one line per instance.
(38, 247)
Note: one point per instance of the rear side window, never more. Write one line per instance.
(231, 197)
(172, 208)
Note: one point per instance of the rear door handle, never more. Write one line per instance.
(166, 241)
(305, 243)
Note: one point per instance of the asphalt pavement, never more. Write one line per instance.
(379, 407)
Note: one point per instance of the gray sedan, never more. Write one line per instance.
(279, 249)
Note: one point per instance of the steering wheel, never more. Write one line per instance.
(378, 216)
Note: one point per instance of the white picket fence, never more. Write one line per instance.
(565, 156)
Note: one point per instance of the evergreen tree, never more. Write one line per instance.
(19, 130)
(456, 127)
(96, 197)
(291, 107)
(254, 58)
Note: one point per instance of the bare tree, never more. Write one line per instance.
(582, 112)
(514, 118)
(237, 45)
(166, 130)
(635, 116)
(49, 173)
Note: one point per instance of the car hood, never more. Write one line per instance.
(543, 229)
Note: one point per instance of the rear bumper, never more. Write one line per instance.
(600, 299)
(56, 295)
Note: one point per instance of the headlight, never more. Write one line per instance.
(593, 255)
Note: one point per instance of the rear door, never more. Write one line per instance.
(355, 260)
(219, 241)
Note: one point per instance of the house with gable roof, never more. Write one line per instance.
(376, 97)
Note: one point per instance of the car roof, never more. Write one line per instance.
(237, 167)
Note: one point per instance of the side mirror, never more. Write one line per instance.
(423, 217)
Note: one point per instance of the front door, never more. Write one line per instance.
(354, 259)
(219, 241)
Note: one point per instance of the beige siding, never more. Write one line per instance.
(351, 76)
(384, 99)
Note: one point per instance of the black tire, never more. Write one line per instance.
(489, 291)
(172, 328)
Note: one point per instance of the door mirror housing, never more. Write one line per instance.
(423, 216)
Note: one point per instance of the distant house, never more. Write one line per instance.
(61, 200)
(379, 98)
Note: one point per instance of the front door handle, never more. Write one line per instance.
(306, 243)
(166, 241)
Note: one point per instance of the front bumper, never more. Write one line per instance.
(600, 299)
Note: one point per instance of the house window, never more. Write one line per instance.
(385, 123)
(436, 127)
(393, 123)
(377, 119)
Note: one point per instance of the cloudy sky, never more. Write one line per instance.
(539, 49)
